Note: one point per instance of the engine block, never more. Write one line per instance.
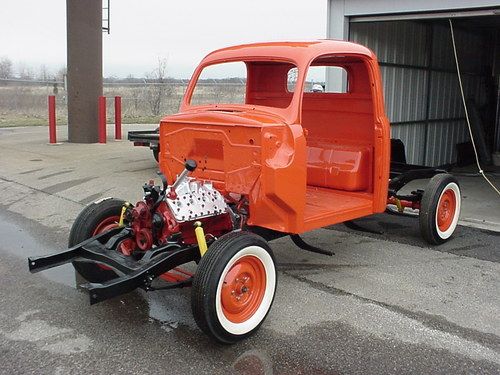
(195, 200)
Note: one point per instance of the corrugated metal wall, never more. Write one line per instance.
(422, 96)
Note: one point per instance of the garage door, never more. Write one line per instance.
(422, 95)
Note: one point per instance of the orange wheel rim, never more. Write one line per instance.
(243, 289)
(107, 224)
(446, 209)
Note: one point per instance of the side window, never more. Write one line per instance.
(221, 83)
(327, 79)
(291, 79)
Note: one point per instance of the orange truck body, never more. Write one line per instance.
(303, 160)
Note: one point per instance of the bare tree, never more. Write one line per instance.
(44, 73)
(5, 68)
(61, 72)
(157, 90)
(24, 71)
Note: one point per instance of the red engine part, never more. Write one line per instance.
(153, 229)
(214, 225)
(170, 225)
(142, 225)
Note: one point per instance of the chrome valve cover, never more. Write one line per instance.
(196, 199)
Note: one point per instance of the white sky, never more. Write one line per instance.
(34, 31)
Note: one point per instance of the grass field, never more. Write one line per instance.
(26, 104)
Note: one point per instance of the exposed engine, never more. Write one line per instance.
(169, 213)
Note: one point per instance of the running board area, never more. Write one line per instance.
(133, 273)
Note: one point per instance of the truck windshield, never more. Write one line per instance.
(262, 83)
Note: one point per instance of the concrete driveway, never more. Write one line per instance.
(384, 303)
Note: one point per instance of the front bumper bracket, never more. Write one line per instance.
(132, 273)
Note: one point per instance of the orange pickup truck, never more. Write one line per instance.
(280, 157)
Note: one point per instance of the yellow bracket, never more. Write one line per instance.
(122, 215)
(200, 238)
(399, 206)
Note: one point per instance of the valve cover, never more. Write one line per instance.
(196, 199)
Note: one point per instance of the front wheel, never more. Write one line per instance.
(234, 287)
(96, 218)
(440, 208)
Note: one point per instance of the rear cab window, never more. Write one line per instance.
(260, 83)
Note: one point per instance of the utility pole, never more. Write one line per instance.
(84, 64)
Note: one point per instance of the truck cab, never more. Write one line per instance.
(302, 157)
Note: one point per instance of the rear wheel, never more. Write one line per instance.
(440, 209)
(96, 218)
(234, 287)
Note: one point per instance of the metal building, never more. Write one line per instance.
(412, 40)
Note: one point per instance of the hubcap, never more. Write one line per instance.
(446, 210)
(243, 289)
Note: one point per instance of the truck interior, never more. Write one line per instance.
(339, 127)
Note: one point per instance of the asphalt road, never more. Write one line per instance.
(384, 304)
(376, 307)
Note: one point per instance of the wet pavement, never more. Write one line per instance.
(385, 303)
(362, 311)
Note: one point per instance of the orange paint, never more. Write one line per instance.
(243, 289)
(302, 159)
(446, 209)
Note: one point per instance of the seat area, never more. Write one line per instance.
(340, 166)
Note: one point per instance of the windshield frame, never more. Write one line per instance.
(186, 103)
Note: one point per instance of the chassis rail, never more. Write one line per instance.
(145, 137)
(133, 273)
(402, 173)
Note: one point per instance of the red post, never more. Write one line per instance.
(102, 119)
(118, 117)
(52, 119)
